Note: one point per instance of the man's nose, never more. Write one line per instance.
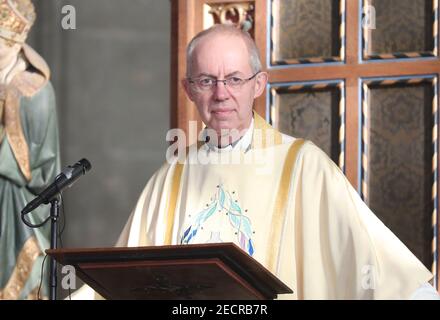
(220, 91)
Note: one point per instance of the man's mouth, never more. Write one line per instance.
(222, 112)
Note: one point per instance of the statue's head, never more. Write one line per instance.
(16, 20)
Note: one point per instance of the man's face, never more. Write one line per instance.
(223, 107)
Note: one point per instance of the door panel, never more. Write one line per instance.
(314, 111)
(306, 31)
(403, 28)
(399, 158)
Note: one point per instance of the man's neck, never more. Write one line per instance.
(232, 136)
(243, 139)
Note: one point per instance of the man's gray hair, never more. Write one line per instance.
(225, 29)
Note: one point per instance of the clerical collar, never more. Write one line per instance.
(244, 143)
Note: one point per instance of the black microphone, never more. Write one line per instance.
(65, 179)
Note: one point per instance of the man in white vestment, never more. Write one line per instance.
(278, 198)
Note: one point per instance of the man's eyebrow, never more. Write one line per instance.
(233, 74)
(203, 74)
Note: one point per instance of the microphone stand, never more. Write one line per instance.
(51, 194)
(54, 215)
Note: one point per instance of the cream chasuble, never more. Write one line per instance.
(286, 204)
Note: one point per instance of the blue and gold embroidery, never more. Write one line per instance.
(223, 201)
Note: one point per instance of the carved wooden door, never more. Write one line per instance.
(357, 77)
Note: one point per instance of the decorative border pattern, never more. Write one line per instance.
(292, 87)
(275, 30)
(364, 147)
(398, 55)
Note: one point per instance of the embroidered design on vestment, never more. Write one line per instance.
(223, 203)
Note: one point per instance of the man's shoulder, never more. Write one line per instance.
(308, 147)
(310, 154)
(166, 168)
(286, 139)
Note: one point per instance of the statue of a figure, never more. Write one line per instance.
(29, 152)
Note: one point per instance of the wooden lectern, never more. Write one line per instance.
(201, 271)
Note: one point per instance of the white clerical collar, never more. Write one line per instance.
(242, 144)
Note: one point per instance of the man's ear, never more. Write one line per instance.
(260, 83)
(188, 90)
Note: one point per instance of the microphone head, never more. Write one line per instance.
(85, 164)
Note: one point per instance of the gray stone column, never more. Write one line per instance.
(111, 77)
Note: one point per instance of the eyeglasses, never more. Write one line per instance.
(208, 83)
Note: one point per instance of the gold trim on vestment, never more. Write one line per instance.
(14, 130)
(172, 202)
(281, 203)
(22, 270)
(264, 134)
